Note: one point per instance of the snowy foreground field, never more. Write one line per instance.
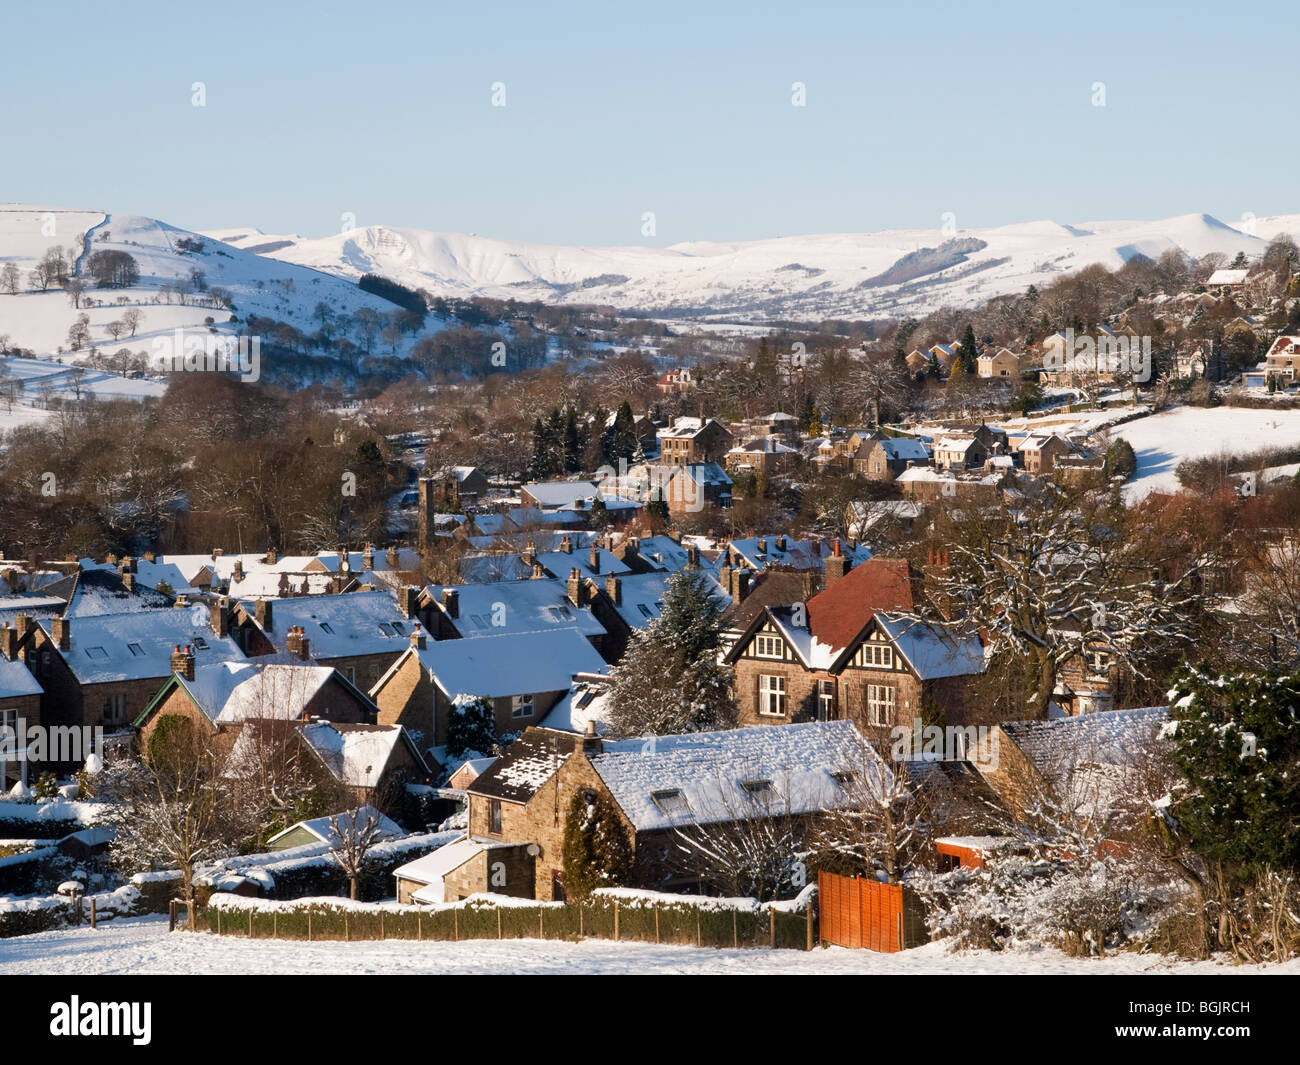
(143, 946)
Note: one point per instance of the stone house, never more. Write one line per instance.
(523, 675)
(854, 652)
(885, 458)
(658, 789)
(693, 441)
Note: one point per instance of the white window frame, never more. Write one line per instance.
(771, 695)
(876, 655)
(825, 700)
(767, 640)
(881, 697)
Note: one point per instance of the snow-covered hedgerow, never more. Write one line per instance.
(1084, 908)
(23, 916)
(618, 913)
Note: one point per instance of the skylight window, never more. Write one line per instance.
(96, 652)
(479, 621)
(200, 643)
(398, 629)
(385, 628)
(670, 802)
(644, 610)
(842, 777)
(759, 790)
(136, 650)
(325, 627)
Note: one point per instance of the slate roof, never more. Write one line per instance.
(529, 763)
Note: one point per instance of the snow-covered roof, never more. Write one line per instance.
(933, 650)
(431, 868)
(586, 701)
(236, 691)
(903, 448)
(16, 679)
(523, 663)
(139, 645)
(356, 754)
(707, 777)
(505, 607)
(1227, 277)
(339, 626)
(1108, 736)
(641, 596)
(323, 830)
(562, 495)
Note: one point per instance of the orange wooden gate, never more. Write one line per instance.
(854, 912)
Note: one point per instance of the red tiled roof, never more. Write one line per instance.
(842, 611)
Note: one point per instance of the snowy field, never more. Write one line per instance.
(1163, 440)
(144, 946)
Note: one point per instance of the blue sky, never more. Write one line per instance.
(384, 111)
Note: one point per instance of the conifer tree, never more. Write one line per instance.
(596, 851)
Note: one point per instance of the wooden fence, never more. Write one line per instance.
(855, 912)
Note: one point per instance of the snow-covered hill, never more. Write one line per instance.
(849, 275)
(39, 321)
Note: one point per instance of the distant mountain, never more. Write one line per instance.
(165, 256)
(835, 275)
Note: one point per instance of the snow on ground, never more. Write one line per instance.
(1164, 440)
(40, 320)
(143, 945)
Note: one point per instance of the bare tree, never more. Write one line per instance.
(352, 834)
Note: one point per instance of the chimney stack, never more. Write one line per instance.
(8, 641)
(577, 588)
(417, 638)
(182, 662)
(739, 584)
(409, 601)
(219, 615)
(451, 602)
(271, 556)
(614, 589)
(297, 643)
(760, 545)
(539, 572)
(391, 557)
(530, 554)
(262, 614)
(692, 556)
(61, 630)
(128, 582)
(149, 556)
(127, 565)
(591, 743)
(566, 545)
(368, 556)
(837, 565)
(593, 559)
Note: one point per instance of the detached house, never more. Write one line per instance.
(691, 441)
(886, 458)
(658, 789)
(960, 453)
(1002, 363)
(854, 652)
